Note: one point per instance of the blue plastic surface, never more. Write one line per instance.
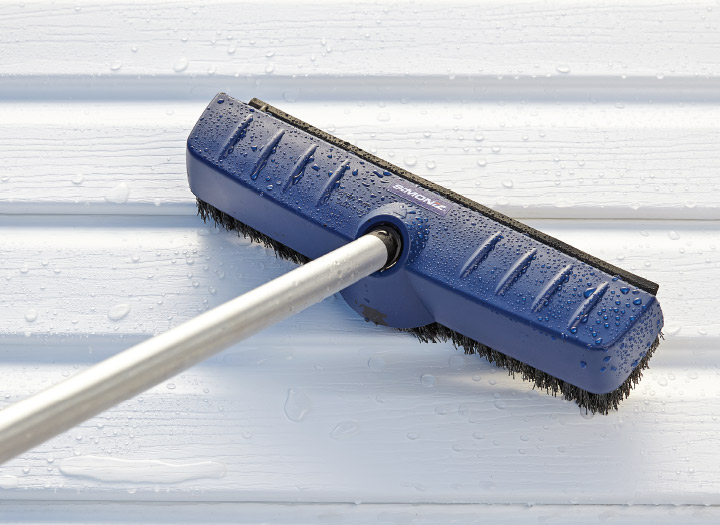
(459, 268)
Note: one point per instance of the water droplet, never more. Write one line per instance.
(500, 404)
(383, 116)
(479, 138)
(170, 386)
(583, 364)
(154, 471)
(427, 380)
(344, 430)
(456, 362)
(297, 405)
(269, 68)
(672, 234)
(376, 363)
(508, 183)
(430, 164)
(410, 161)
(291, 95)
(180, 65)
(117, 312)
(482, 162)
(31, 315)
(115, 66)
(119, 194)
(413, 436)
(77, 179)
(563, 68)
(637, 301)
(586, 414)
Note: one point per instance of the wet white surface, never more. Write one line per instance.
(598, 125)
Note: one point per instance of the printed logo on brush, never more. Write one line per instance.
(421, 197)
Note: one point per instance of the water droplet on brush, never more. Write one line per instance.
(430, 165)
(345, 430)
(115, 66)
(383, 116)
(482, 163)
(117, 312)
(269, 68)
(507, 183)
(77, 179)
(413, 436)
(119, 194)
(563, 68)
(31, 315)
(672, 234)
(427, 380)
(297, 405)
(410, 161)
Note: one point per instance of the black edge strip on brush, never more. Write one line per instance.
(601, 403)
(635, 280)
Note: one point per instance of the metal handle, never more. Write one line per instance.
(36, 419)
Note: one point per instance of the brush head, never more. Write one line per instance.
(572, 324)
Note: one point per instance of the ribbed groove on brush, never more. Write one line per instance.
(515, 271)
(480, 254)
(587, 306)
(267, 150)
(551, 287)
(236, 137)
(334, 181)
(298, 170)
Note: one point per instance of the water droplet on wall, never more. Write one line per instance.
(427, 380)
(119, 311)
(345, 430)
(180, 65)
(119, 194)
(297, 405)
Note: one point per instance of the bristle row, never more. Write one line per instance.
(601, 403)
(207, 211)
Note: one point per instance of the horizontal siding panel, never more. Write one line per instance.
(541, 160)
(406, 38)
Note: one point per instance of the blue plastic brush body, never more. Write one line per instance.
(460, 267)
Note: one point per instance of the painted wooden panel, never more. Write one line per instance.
(597, 123)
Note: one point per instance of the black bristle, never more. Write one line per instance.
(601, 403)
(436, 332)
(207, 211)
